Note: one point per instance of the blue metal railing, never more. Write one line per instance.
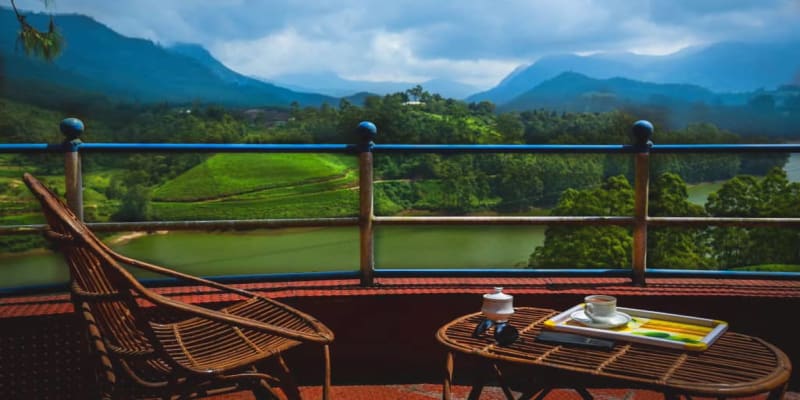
(394, 148)
(641, 150)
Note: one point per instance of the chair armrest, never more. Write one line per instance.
(323, 336)
(175, 274)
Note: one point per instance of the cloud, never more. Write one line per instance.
(386, 57)
(473, 41)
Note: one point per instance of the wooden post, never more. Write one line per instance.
(366, 214)
(72, 128)
(642, 133)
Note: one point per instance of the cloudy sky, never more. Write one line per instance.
(471, 41)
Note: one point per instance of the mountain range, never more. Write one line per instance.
(98, 60)
(593, 93)
(721, 67)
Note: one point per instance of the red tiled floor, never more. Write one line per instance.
(425, 391)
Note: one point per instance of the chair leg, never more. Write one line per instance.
(263, 391)
(326, 386)
(288, 383)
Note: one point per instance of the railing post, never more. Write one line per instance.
(72, 128)
(366, 214)
(642, 135)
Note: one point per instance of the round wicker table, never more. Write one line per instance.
(734, 365)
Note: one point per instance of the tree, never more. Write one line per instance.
(135, 205)
(589, 246)
(416, 93)
(464, 187)
(45, 44)
(610, 246)
(510, 126)
(748, 196)
(676, 248)
(519, 183)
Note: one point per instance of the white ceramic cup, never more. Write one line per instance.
(600, 308)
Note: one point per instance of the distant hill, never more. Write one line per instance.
(571, 89)
(672, 106)
(722, 67)
(97, 59)
(332, 84)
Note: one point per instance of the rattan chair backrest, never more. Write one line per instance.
(101, 289)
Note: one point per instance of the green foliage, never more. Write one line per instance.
(610, 247)
(399, 195)
(749, 196)
(770, 268)
(520, 183)
(590, 246)
(23, 123)
(676, 248)
(135, 205)
(17, 243)
(44, 44)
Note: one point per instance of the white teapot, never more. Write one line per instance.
(498, 306)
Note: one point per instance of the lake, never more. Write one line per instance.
(304, 249)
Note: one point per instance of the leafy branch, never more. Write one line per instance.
(45, 44)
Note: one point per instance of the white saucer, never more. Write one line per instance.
(619, 319)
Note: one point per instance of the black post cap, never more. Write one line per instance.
(72, 128)
(642, 133)
(367, 130)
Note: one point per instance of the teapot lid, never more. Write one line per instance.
(498, 295)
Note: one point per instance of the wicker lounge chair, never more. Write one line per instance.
(149, 345)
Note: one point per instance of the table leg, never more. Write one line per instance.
(540, 393)
(448, 376)
(778, 392)
(669, 395)
(502, 383)
(584, 393)
(479, 382)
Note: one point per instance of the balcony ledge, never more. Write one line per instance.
(44, 338)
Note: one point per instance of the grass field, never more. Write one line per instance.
(225, 186)
(225, 175)
(332, 203)
(251, 186)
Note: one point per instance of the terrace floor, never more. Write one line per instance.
(405, 312)
(426, 391)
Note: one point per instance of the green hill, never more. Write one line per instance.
(225, 175)
(243, 186)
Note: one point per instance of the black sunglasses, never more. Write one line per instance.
(504, 333)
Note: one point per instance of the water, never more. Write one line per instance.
(698, 193)
(792, 168)
(304, 250)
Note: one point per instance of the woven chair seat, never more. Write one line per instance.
(202, 345)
